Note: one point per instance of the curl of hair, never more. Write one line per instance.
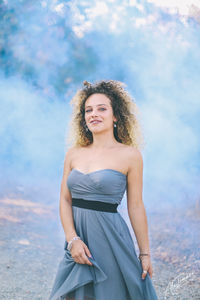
(128, 130)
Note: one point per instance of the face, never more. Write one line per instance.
(98, 113)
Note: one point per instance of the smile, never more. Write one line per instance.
(95, 122)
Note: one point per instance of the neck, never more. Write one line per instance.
(103, 140)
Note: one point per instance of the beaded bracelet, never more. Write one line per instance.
(70, 242)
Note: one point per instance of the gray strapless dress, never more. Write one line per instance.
(116, 271)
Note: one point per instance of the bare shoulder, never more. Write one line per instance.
(69, 154)
(134, 157)
(133, 152)
(70, 151)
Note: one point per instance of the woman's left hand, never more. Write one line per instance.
(146, 265)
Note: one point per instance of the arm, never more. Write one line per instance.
(136, 209)
(135, 205)
(65, 205)
(79, 250)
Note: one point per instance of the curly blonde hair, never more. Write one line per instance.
(128, 130)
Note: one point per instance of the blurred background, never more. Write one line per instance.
(47, 49)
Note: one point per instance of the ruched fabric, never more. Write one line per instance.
(116, 270)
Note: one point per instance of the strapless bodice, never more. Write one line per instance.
(107, 185)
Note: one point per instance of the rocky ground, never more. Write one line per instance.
(32, 240)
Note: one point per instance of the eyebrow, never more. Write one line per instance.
(97, 105)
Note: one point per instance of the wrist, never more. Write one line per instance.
(69, 246)
(142, 255)
(68, 238)
(145, 252)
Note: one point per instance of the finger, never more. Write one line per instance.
(144, 275)
(151, 273)
(150, 270)
(89, 262)
(87, 251)
(85, 259)
(78, 258)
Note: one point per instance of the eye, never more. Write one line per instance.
(101, 108)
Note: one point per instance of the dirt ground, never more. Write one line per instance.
(32, 240)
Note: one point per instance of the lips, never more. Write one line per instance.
(95, 121)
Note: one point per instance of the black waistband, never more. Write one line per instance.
(95, 205)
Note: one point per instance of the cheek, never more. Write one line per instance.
(86, 117)
(108, 116)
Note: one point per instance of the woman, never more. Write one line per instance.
(104, 161)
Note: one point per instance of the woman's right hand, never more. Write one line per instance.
(79, 252)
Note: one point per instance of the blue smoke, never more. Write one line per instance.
(49, 47)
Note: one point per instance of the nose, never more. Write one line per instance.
(94, 113)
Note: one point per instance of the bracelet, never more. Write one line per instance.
(69, 246)
(143, 254)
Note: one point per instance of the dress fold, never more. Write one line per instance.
(73, 275)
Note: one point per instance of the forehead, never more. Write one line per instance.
(97, 99)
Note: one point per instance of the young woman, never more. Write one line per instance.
(103, 161)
